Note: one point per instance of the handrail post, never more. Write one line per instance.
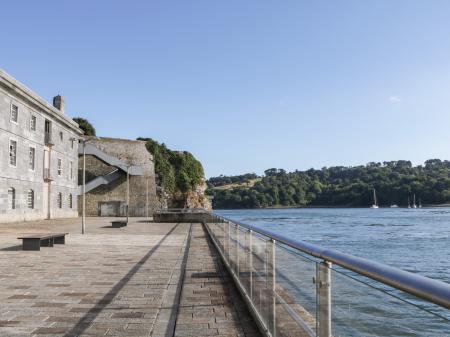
(270, 285)
(229, 242)
(250, 262)
(323, 286)
(237, 250)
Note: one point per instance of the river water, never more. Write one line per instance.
(416, 240)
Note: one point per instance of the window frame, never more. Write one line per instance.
(70, 170)
(12, 201)
(11, 113)
(59, 201)
(70, 199)
(33, 126)
(34, 158)
(30, 193)
(59, 166)
(9, 152)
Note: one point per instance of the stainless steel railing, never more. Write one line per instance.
(276, 288)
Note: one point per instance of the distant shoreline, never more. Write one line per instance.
(319, 207)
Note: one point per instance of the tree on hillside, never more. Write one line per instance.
(85, 125)
(178, 171)
(394, 181)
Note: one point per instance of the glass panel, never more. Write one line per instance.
(361, 310)
(295, 293)
(258, 273)
(290, 293)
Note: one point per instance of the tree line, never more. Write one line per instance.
(394, 182)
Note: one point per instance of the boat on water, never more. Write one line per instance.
(414, 202)
(409, 205)
(375, 203)
(420, 203)
(394, 206)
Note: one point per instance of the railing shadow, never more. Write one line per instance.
(86, 321)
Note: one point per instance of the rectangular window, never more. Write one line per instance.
(33, 123)
(12, 153)
(71, 170)
(30, 199)
(14, 113)
(61, 136)
(31, 159)
(11, 198)
(59, 167)
(59, 200)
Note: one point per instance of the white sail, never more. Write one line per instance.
(375, 203)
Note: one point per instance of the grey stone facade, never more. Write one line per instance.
(109, 199)
(54, 138)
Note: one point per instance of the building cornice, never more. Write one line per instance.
(27, 94)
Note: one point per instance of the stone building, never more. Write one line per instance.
(107, 163)
(38, 155)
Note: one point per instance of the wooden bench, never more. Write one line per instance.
(36, 241)
(118, 224)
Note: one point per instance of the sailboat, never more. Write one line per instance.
(375, 203)
(409, 205)
(420, 203)
(414, 202)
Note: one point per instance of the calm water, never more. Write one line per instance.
(416, 240)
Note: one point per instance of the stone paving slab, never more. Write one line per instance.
(146, 279)
(210, 304)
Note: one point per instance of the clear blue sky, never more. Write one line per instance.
(246, 85)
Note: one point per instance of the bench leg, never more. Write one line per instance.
(31, 244)
(60, 240)
(47, 242)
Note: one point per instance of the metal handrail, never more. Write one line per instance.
(428, 289)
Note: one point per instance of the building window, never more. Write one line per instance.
(14, 113)
(33, 123)
(30, 199)
(61, 136)
(11, 198)
(31, 158)
(71, 170)
(13, 153)
(59, 166)
(70, 200)
(59, 200)
(72, 141)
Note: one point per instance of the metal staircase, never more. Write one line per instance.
(92, 150)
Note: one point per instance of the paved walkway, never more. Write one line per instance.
(145, 279)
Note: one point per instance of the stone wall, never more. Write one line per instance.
(143, 199)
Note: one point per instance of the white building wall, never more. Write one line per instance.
(21, 178)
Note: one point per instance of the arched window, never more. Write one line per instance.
(11, 198)
(70, 200)
(59, 200)
(30, 199)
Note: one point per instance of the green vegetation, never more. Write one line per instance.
(226, 180)
(394, 182)
(177, 171)
(84, 125)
